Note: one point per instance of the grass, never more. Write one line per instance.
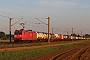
(23, 54)
(6, 40)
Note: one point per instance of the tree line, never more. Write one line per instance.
(4, 36)
(77, 35)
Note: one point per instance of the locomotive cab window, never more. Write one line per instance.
(18, 32)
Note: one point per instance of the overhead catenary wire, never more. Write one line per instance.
(21, 16)
(4, 16)
(36, 25)
(18, 16)
(41, 21)
(39, 24)
(10, 14)
(17, 21)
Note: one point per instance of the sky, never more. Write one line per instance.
(64, 15)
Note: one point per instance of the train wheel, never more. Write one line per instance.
(16, 41)
(30, 41)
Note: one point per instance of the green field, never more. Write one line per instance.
(6, 41)
(23, 54)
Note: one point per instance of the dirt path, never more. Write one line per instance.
(32, 47)
(80, 52)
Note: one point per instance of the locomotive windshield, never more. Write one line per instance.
(18, 32)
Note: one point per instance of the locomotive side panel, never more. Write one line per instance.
(30, 35)
(22, 35)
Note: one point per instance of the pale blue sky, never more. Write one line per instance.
(63, 13)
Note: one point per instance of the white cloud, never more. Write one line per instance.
(56, 3)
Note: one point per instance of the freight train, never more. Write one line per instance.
(29, 35)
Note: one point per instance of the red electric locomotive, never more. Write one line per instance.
(24, 35)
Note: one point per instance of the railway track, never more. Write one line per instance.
(1, 42)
